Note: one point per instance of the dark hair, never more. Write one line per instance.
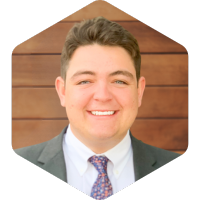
(103, 32)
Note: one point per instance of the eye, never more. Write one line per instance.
(120, 82)
(82, 82)
(89, 81)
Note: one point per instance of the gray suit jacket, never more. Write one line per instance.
(50, 157)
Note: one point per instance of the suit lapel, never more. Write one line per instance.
(143, 159)
(52, 157)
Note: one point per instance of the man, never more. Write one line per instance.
(101, 88)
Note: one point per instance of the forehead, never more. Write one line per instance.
(100, 59)
(95, 52)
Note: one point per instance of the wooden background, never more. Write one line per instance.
(163, 117)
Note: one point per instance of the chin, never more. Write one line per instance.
(102, 134)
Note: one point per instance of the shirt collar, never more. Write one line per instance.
(79, 153)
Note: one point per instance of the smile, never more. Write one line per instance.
(103, 115)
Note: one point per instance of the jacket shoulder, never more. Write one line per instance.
(162, 156)
(31, 153)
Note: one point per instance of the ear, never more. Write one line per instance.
(60, 88)
(141, 87)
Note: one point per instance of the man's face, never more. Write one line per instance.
(101, 94)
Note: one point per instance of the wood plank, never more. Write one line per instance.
(44, 103)
(52, 39)
(165, 69)
(164, 102)
(42, 70)
(35, 70)
(166, 134)
(162, 133)
(100, 8)
(36, 103)
(30, 132)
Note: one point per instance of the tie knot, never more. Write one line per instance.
(100, 163)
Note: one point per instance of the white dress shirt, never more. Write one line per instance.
(81, 174)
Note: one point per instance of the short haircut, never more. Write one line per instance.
(103, 32)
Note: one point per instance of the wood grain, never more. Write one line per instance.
(161, 102)
(42, 70)
(30, 132)
(36, 103)
(164, 102)
(162, 133)
(166, 134)
(100, 8)
(35, 70)
(52, 40)
(165, 69)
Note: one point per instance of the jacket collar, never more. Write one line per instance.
(52, 157)
(143, 158)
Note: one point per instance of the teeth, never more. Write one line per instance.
(102, 113)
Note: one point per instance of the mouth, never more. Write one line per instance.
(103, 116)
(102, 113)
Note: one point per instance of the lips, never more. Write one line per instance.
(103, 116)
(101, 110)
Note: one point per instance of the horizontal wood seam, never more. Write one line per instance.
(139, 118)
(53, 86)
(143, 53)
(118, 21)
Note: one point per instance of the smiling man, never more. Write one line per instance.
(101, 93)
(101, 89)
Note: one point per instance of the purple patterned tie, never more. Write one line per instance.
(102, 187)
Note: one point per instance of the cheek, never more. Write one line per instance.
(77, 99)
(131, 107)
(127, 98)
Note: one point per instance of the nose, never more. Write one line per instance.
(102, 92)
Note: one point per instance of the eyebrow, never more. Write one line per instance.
(119, 72)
